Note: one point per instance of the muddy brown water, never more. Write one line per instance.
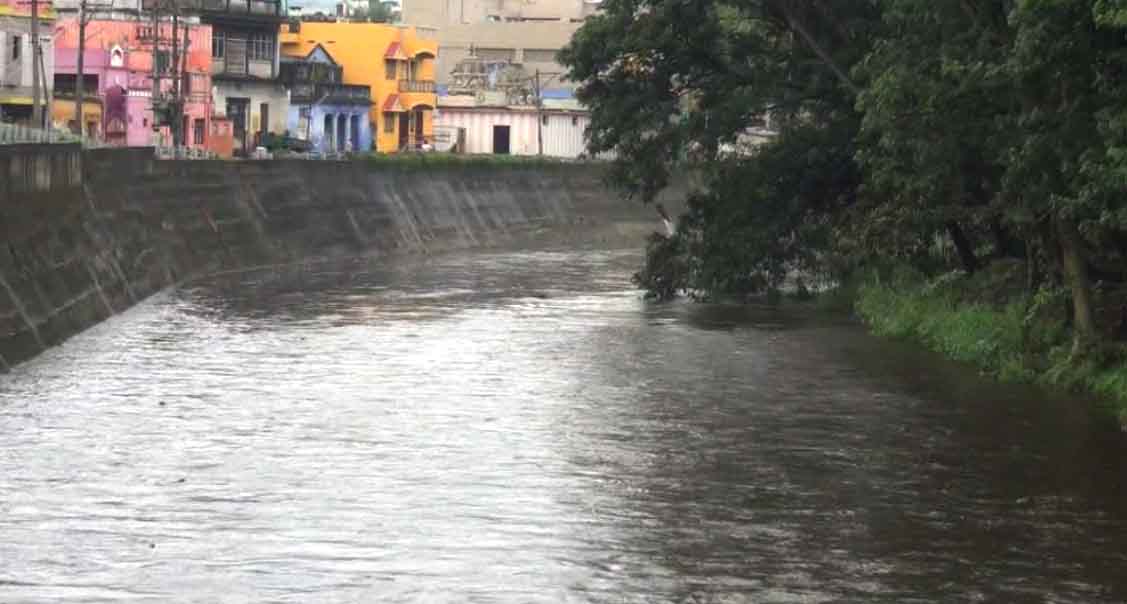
(523, 427)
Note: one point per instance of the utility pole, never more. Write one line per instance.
(79, 84)
(174, 91)
(85, 14)
(36, 108)
(539, 117)
(540, 109)
(181, 97)
(156, 64)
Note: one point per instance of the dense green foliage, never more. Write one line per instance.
(1018, 340)
(937, 135)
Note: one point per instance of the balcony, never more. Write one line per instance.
(419, 86)
(244, 58)
(248, 9)
(303, 72)
(318, 93)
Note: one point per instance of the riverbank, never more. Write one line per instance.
(85, 235)
(989, 321)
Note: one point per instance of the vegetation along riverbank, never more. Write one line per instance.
(975, 145)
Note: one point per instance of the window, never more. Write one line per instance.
(389, 123)
(262, 47)
(198, 131)
(539, 55)
(391, 69)
(17, 47)
(544, 119)
(217, 49)
(164, 61)
(497, 54)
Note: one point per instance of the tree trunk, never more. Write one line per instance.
(1075, 269)
(1005, 244)
(964, 247)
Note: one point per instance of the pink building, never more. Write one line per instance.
(118, 67)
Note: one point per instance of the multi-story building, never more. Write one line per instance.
(117, 71)
(517, 31)
(331, 115)
(397, 65)
(245, 66)
(16, 50)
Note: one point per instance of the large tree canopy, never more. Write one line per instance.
(987, 127)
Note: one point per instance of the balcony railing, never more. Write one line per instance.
(234, 7)
(309, 73)
(425, 86)
(330, 93)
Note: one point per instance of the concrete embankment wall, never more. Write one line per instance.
(84, 235)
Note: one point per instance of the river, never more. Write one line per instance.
(523, 427)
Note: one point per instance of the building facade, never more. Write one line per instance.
(395, 63)
(16, 51)
(118, 76)
(556, 130)
(528, 34)
(245, 67)
(331, 115)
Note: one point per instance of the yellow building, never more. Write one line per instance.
(395, 62)
(63, 118)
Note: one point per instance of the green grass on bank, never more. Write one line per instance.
(981, 320)
(423, 161)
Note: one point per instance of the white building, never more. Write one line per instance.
(16, 65)
(245, 66)
(524, 32)
(511, 129)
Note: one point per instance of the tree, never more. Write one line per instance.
(382, 12)
(934, 120)
(997, 125)
(673, 84)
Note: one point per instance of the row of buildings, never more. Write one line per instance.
(244, 72)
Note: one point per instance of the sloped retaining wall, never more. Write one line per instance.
(76, 251)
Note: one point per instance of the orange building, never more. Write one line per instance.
(394, 62)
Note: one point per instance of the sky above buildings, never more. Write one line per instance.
(325, 6)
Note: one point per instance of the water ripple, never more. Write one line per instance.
(524, 428)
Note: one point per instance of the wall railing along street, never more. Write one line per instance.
(15, 134)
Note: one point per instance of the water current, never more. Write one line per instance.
(523, 427)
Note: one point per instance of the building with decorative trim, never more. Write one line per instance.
(331, 115)
(397, 65)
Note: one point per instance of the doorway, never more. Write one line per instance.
(237, 113)
(501, 140)
(404, 130)
(327, 134)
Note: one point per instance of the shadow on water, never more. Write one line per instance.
(823, 464)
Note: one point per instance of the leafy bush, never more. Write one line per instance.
(1021, 340)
